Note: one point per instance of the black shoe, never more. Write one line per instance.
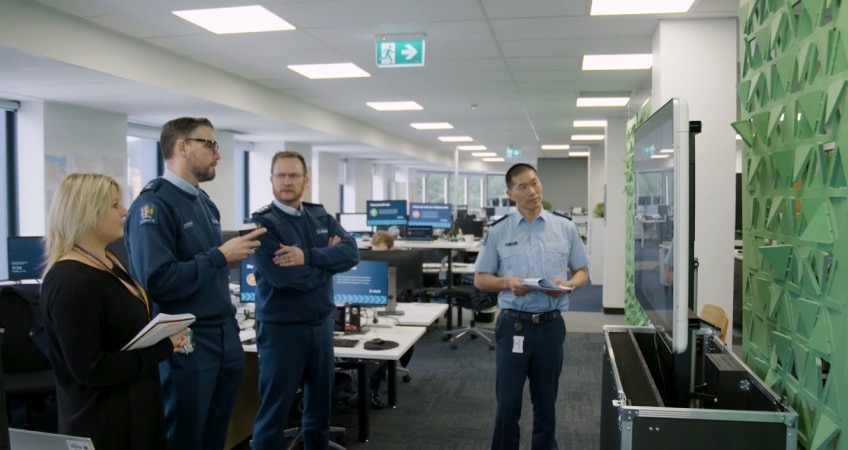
(376, 400)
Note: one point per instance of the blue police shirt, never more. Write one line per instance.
(547, 247)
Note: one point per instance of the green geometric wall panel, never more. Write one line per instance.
(792, 94)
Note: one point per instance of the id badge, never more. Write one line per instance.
(518, 344)
(189, 347)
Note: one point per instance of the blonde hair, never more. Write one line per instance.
(383, 237)
(77, 204)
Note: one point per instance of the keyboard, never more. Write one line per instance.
(342, 342)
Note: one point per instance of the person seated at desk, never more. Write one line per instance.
(384, 241)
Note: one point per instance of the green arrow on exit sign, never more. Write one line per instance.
(513, 152)
(403, 53)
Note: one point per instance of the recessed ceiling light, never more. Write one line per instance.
(240, 19)
(578, 154)
(493, 159)
(587, 137)
(618, 62)
(328, 71)
(667, 150)
(589, 123)
(602, 101)
(456, 139)
(431, 126)
(556, 147)
(395, 106)
(484, 154)
(466, 148)
(621, 7)
(666, 155)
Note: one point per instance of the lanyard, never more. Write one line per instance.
(136, 289)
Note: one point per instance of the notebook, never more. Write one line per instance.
(34, 440)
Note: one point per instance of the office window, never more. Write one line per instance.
(458, 195)
(437, 189)
(496, 188)
(141, 165)
(419, 189)
(474, 193)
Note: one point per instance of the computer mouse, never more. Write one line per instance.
(376, 341)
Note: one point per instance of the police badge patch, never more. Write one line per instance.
(148, 215)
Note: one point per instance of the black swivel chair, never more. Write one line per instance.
(469, 297)
(28, 374)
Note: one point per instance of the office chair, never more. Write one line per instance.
(474, 299)
(28, 374)
(342, 383)
(716, 317)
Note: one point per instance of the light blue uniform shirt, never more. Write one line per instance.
(286, 208)
(177, 181)
(545, 248)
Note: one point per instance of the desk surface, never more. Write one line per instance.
(416, 314)
(439, 244)
(406, 337)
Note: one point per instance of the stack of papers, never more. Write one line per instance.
(542, 284)
(161, 327)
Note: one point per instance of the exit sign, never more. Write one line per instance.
(513, 152)
(400, 53)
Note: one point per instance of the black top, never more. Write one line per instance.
(111, 396)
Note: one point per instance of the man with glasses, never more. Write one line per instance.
(173, 237)
(303, 249)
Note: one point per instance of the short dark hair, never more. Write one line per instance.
(288, 154)
(515, 170)
(178, 129)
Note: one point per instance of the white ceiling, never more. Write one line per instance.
(518, 61)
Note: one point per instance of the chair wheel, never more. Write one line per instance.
(406, 378)
(491, 346)
(453, 346)
(473, 336)
(445, 338)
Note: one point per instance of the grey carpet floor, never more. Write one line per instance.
(449, 403)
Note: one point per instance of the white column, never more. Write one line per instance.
(324, 175)
(597, 163)
(362, 183)
(696, 60)
(259, 174)
(384, 178)
(32, 201)
(407, 177)
(614, 218)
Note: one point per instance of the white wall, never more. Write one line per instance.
(224, 190)
(597, 162)
(616, 202)
(565, 181)
(697, 60)
(325, 180)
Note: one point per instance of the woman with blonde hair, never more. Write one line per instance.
(92, 307)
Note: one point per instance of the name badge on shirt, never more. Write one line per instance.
(518, 344)
(188, 225)
(510, 244)
(321, 231)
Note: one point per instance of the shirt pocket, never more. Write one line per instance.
(555, 258)
(515, 261)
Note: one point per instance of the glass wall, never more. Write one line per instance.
(141, 165)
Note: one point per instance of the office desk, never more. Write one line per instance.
(416, 314)
(457, 269)
(355, 358)
(440, 244)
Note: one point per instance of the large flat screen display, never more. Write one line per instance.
(365, 284)
(354, 222)
(436, 215)
(662, 259)
(26, 256)
(247, 286)
(385, 212)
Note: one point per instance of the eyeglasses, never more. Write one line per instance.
(290, 176)
(211, 145)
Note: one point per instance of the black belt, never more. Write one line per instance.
(533, 317)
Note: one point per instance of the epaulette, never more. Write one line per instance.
(316, 209)
(153, 185)
(262, 210)
(557, 213)
(312, 205)
(498, 221)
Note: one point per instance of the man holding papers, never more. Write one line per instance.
(522, 252)
(92, 308)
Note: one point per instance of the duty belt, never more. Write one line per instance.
(533, 317)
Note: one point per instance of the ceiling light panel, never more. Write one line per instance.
(618, 62)
(578, 154)
(602, 101)
(484, 154)
(329, 71)
(431, 126)
(623, 7)
(589, 123)
(240, 19)
(395, 106)
(493, 159)
(587, 137)
(456, 139)
(556, 147)
(467, 148)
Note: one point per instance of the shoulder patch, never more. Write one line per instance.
(152, 185)
(262, 210)
(148, 214)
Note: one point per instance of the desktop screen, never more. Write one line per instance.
(385, 212)
(367, 284)
(409, 275)
(247, 286)
(26, 255)
(436, 215)
(354, 222)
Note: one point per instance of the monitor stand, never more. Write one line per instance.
(391, 304)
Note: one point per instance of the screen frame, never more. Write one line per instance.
(672, 329)
(444, 222)
(373, 222)
(384, 285)
(365, 229)
(37, 268)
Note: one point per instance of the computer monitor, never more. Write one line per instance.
(471, 227)
(418, 233)
(354, 222)
(436, 215)
(385, 212)
(366, 284)
(247, 283)
(234, 267)
(409, 273)
(25, 256)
